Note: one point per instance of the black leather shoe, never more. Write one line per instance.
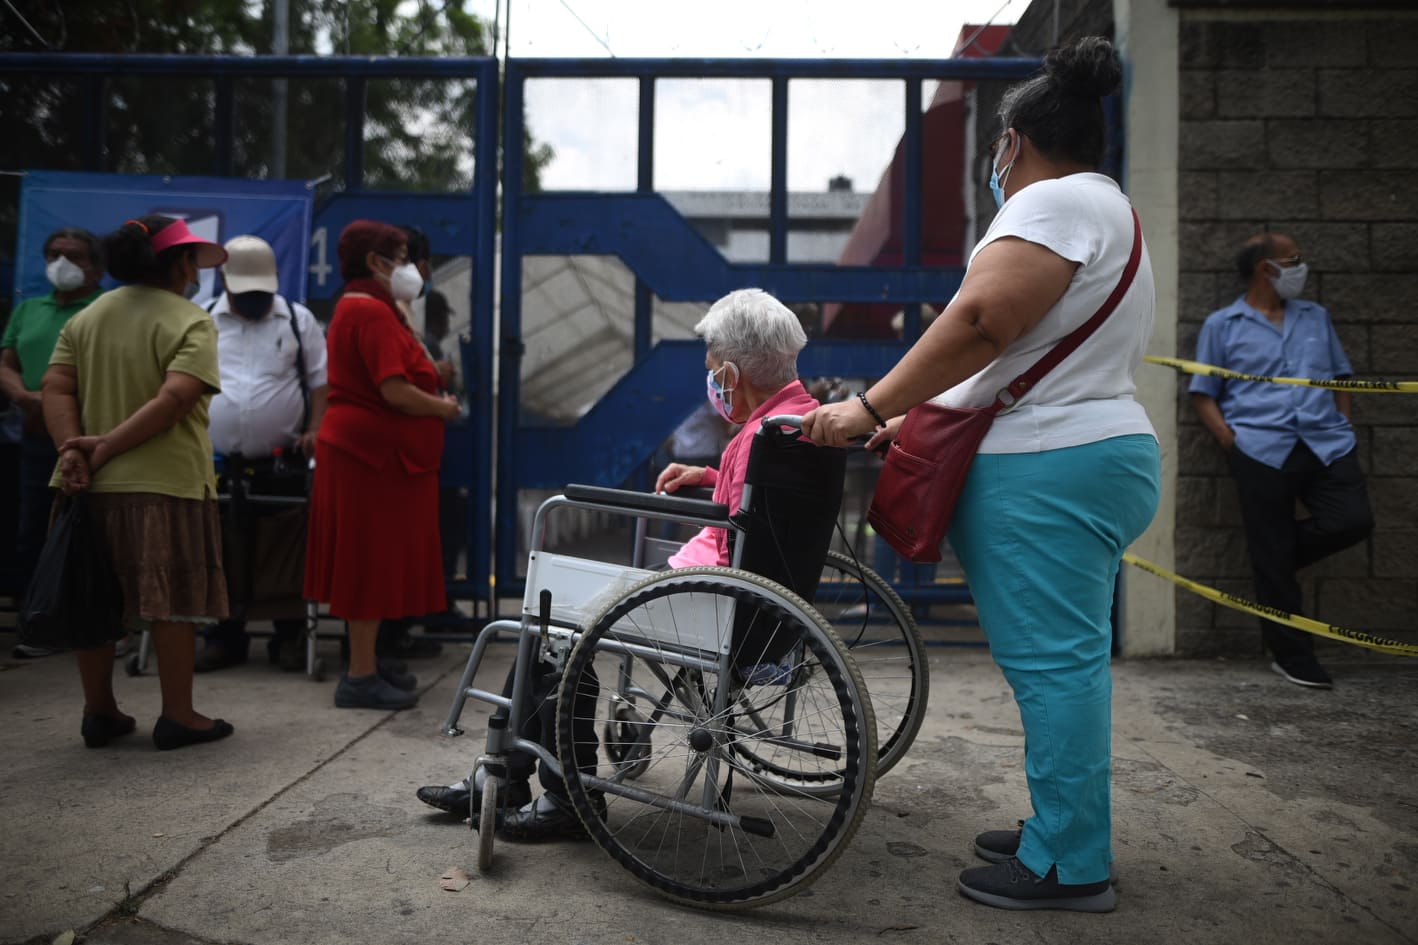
(99, 730)
(549, 817)
(398, 678)
(457, 799)
(289, 655)
(168, 735)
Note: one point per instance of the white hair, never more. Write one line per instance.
(758, 333)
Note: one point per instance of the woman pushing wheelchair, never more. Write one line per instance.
(1067, 476)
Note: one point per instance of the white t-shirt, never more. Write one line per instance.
(260, 405)
(1088, 396)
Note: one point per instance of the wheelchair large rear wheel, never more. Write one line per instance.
(874, 622)
(684, 811)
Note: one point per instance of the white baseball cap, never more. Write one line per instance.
(250, 266)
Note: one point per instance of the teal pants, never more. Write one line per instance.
(1040, 536)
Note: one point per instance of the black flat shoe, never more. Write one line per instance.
(398, 678)
(168, 735)
(459, 799)
(99, 730)
(549, 817)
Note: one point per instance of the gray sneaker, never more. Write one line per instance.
(372, 692)
(996, 846)
(1012, 885)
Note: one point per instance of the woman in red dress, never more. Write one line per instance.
(374, 551)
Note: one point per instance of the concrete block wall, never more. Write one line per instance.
(1306, 123)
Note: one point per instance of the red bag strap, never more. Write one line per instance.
(1073, 339)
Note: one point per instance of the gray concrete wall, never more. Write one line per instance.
(1306, 122)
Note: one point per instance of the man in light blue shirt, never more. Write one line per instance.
(1283, 442)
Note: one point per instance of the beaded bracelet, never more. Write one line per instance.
(862, 396)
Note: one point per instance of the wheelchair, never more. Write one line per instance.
(738, 742)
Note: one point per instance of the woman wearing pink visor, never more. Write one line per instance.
(125, 398)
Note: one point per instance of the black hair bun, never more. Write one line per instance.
(1088, 68)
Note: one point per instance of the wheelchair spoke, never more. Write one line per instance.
(685, 805)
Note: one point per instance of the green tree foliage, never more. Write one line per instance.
(417, 133)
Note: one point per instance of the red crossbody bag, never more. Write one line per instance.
(927, 463)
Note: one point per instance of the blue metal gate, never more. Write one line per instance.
(667, 257)
(670, 260)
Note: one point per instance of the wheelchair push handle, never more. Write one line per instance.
(790, 426)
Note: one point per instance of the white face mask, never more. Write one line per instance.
(405, 282)
(64, 275)
(1289, 281)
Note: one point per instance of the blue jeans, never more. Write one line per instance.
(1041, 536)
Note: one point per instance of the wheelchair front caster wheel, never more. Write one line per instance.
(487, 820)
(627, 740)
(132, 666)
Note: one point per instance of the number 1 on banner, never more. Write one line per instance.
(320, 266)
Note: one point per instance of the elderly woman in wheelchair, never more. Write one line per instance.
(740, 744)
(752, 342)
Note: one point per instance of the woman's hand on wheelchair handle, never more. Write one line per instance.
(678, 474)
(837, 424)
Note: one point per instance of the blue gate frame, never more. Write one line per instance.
(672, 261)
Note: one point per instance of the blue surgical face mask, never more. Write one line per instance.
(720, 397)
(998, 177)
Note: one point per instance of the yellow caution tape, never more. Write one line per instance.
(1358, 637)
(1197, 367)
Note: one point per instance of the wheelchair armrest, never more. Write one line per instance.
(632, 501)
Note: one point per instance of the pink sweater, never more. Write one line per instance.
(711, 545)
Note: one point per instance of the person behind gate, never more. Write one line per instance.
(272, 356)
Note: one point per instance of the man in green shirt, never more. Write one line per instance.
(74, 264)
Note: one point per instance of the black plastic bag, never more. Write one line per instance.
(74, 601)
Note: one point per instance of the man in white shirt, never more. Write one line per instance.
(273, 374)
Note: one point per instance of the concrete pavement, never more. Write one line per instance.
(1246, 810)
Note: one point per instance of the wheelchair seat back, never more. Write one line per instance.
(792, 495)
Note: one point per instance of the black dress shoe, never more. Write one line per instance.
(457, 799)
(168, 735)
(398, 678)
(99, 730)
(549, 817)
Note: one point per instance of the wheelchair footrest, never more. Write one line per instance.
(757, 826)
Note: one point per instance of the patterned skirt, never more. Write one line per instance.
(167, 553)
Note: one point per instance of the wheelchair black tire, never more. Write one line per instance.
(889, 653)
(783, 868)
(487, 819)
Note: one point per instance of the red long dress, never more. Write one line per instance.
(374, 550)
